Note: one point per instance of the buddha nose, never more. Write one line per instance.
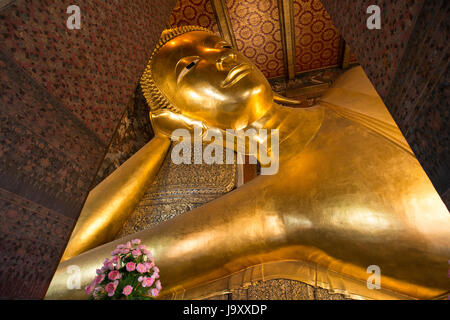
(226, 61)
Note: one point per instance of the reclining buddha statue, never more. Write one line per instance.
(348, 196)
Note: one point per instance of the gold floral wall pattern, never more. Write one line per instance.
(193, 12)
(257, 30)
(317, 39)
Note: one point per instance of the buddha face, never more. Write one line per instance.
(209, 81)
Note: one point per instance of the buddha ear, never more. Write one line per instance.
(284, 100)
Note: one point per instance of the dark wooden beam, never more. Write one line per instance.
(286, 13)
(346, 55)
(223, 21)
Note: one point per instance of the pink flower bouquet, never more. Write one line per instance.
(131, 273)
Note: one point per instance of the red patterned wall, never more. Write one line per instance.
(193, 12)
(317, 39)
(256, 27)
(62, 94)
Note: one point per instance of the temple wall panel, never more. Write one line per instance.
(63, 93)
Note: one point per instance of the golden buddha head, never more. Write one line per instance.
(194, 74)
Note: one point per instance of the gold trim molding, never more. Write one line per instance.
(302, 271)
(223, 21)
(286, 13)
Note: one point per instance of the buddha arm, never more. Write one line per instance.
(109, 204)
(193, 247)
(240, 230)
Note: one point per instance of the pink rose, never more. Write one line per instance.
(158, 285)
(108, 265)
(114, 275)
(131, 266)
(98, 279)
(140, 278)
(111, 288)
(136, 253)
(115, 259)
(147, 282)
(136, 241)
(154, 292)
(142, 247)
(124, 251)
(129, 245)
(127, 290)
(148, 265)
(141, 268)
(89, 289)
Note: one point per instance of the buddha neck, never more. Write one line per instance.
(297, 126)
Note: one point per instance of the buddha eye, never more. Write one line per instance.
(190, 65)
(187, 68)
(223, 45)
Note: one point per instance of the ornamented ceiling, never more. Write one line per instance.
(194, 12)
(256, 27)
(282, 37)
(317, 41)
